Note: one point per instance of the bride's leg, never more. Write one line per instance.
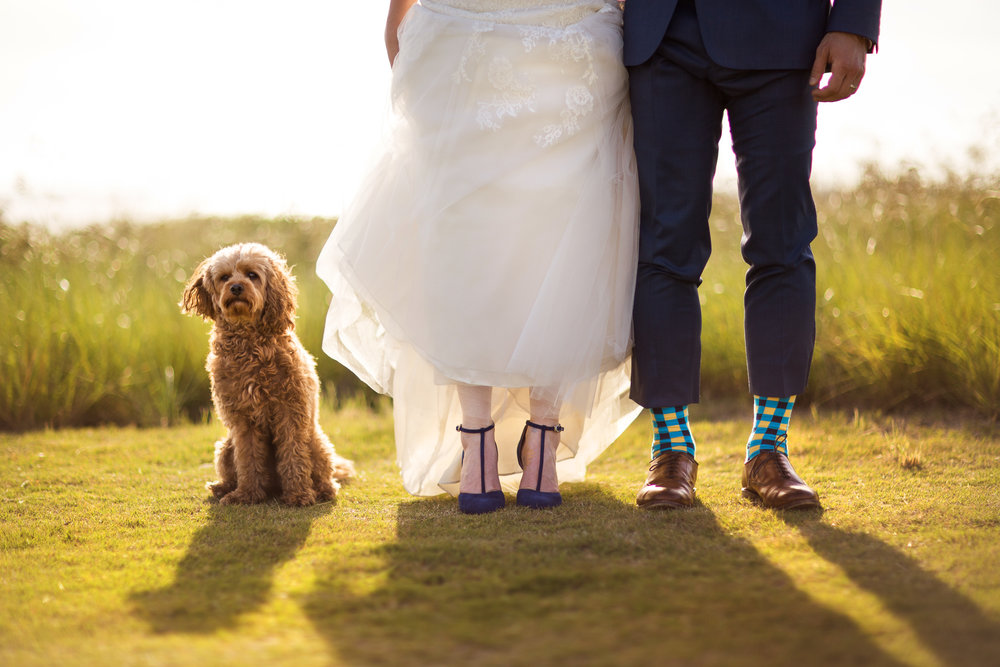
(476, 404)
(544, 411)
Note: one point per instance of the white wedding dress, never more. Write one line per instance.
(494, 241)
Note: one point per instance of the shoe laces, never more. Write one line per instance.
(784, 466)
(672, 463)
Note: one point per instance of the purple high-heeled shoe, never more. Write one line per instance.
(536, 498)
(487, 501)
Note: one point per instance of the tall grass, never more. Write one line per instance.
(91, 331)
(908, 293)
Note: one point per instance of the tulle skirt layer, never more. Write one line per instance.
(494, 240)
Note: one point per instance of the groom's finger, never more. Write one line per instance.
(819, 65)
(836, 89)
(843, 83)
(845, 54)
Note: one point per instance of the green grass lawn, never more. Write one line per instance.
(113, 553)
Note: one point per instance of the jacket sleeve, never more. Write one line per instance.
(858, 17)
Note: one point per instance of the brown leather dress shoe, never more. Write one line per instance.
(670, 482)
(770, 479)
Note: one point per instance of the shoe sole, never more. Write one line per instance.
(538, 500)
(664, 505)
(481, 503)
(804, 503)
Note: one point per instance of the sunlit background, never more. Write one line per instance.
(148, 110)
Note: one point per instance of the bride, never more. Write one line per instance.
(483, 275)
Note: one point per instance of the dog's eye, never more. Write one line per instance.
(224, 277)
(252, 275)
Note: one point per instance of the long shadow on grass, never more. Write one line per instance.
(947, 623)
(228, 568)
(593, 582)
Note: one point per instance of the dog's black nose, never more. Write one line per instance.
(236, 289)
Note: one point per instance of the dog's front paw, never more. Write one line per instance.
(220, 489)
(325, 491)
(299, 498)
(343, 469)
(242, 497)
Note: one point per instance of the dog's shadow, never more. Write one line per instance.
(228, 568)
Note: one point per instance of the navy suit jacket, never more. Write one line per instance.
(752, 34)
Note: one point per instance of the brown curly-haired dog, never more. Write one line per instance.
(264, 383)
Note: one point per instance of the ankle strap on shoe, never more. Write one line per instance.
(541, 427)
(475, 430)
(481, 432)
(541, 453)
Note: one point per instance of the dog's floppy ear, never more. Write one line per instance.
(278, 315)
(197, 299)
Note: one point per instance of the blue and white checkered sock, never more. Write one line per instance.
(770, 426)
(672, 431)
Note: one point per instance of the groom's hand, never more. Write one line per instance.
(843, 55)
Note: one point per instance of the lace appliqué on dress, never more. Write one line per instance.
(570, 47)
(473, 52)
(513, 95)
(579, 103)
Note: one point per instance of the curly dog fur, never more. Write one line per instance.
(264, 383)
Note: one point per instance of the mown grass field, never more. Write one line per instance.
(908, 316)
(112, 553)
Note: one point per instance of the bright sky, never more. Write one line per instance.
(154, 109)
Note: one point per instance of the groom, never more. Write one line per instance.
(761, 62)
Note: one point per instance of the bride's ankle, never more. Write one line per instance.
(479, 459)
(534, 455)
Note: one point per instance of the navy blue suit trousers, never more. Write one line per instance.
(679, 95)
